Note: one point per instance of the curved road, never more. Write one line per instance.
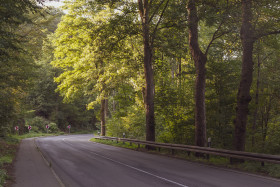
(78, 162)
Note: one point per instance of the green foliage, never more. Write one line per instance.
(131, 122)
(19, 47)
(38, 124)
(222, 79)
(5, 159)
(3, 176)
(174, 103)
(272, 142)
(114, 143)
(53, 128)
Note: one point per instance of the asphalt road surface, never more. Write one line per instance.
(79, 162)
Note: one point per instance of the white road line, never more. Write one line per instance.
(162, 178)
(137, 169)
(140, 170)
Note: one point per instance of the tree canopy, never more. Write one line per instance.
(170, 71)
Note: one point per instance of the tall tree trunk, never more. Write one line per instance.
(107, 112)
(102, 116)
(267, 116)
(114, 102)
(200, 62)
(243, 96)
(256, 103)
(149, 90)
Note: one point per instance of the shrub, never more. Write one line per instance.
(132, 124)
(38, 125)
(53, 128)
(3, 175)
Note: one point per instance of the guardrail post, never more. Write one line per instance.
(130, 143)
(138, 146)
(173, 151)
(262, 163)
(159, 149)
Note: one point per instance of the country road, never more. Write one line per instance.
(79, 162)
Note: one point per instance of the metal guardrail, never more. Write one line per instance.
(206, 150)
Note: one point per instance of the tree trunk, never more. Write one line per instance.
(107, 112)
(102, 116)
(149, 90)
(200, 62)
(266, 119)
(114, 102)
(256, 103)
(243, 96)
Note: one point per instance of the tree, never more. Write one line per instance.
(200, 59)
(88, 52)
(16, 63)
(200, 62)
(148, 41)
(252, 28)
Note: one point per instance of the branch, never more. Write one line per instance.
(214, 37)
(141, 9)
(172, 25)
(155, 30)
(267, 34)
(155, 10)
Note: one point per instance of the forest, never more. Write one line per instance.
(174, 71)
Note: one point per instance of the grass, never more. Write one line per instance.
(272, 170)
(83, 132)
(114, 143)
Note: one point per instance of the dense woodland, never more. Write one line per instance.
(177, 71)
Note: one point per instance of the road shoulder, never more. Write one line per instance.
(31, 169)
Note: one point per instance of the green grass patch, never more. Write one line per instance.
(83, 132)
(118, 144)
(272, 170)
(7, 159)
(34, 134)
(269, 169)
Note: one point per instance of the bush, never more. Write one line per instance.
(132, 124)
(38, 125)
(3, 175)
(53, 128)
(272, 143)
